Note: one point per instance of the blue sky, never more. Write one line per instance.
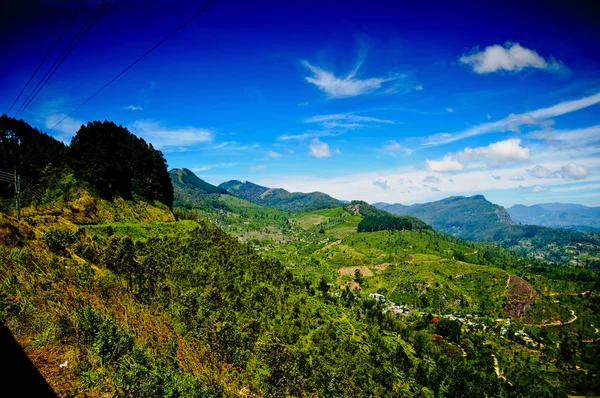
(380, 101)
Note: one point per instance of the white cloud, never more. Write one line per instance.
(235, 146)
(381, 184)
(431, 180)
(511, 58)
(533, 189)
(67, 128)
(319, 149)
(539, 172)
(513, 121)
(211, 166)
(495, 154)
(434, 189)
(571, 138)
(274, 155)
(258, 167)
(163, 137)
(450, 110)
(392, 146)
(489, 117)
(347, 121)
(574, 171)
(347, 117)
(307, 135)
(569, 171)
(447, 163)
(133, 108)
(348, 86)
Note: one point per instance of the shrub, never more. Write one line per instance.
(58, 240)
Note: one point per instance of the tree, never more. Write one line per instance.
(323, 286)
(116, 162)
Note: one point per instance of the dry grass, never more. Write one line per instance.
(364, 271)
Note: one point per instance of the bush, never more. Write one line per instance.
(102, 334)
(58, 240)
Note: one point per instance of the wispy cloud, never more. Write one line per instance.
(512, 57)
(307, 135)
(348, 86)
(495, 154)
(133, 108)
(346, 121)
(235, 146)
(431, 180)
(570, 171)
(392, 146)
(212, 166)
(319, 149)
(569, 138)
(274, 155)
(450, 110)
(512, 122)
(258, 167)
(533, 189)
(169, 138)
(381, 184)
(67, 128)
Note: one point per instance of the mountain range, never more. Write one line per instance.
(557, 215)
(278, 198)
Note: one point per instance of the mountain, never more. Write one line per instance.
(475, 218)
(463, 217)
(557, 215)
(186, 178)
(280, 199)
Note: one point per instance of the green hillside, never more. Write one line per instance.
(280, 199)
(186, 178)
(475, 218)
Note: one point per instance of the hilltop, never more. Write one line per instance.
(465, 217)
(279, 198)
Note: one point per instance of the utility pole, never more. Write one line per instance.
(18, 193)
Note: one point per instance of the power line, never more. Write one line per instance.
(47, 54)
(62, 57)
(196, 15)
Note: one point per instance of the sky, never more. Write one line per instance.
(380, 101)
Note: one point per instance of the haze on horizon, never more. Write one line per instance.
(399, 103)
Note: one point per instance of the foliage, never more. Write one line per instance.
(116, 162)
(280, 199)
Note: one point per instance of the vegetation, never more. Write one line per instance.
(280, 199)
(475, 218)
(239, 299)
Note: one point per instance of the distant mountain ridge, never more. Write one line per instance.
(557, 215)
(475, 218)
(463, 217)
(279, 198)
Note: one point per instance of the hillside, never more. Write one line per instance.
(557, 215)
(464, 217)
(278, 198)
(475, 218)
(186, 178)
(375, 219)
